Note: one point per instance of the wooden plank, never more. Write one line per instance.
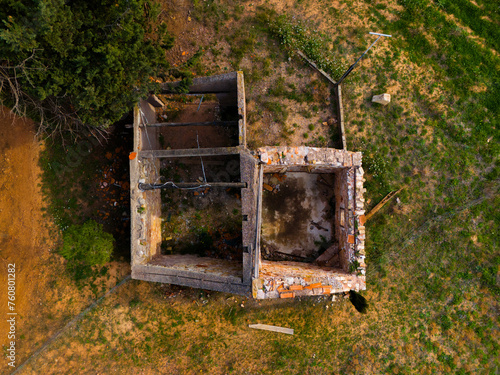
(382, 203)
(317, 68)
(191, 185)
(267, 327)
(338, 90)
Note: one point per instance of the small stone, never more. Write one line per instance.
(383, 99)
(331, 121)
(267, 187)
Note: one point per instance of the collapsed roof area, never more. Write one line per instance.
(209, 213)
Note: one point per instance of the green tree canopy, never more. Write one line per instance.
(80, 62)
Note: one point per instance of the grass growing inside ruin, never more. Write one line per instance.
(432, 258)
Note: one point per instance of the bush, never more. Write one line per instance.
(86, 245)
(295, 35)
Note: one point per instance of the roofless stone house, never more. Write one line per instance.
(207, 212)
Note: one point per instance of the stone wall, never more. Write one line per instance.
(343, 216)
(146, 214)
(320, 160)
(145, 206)
(287, 279)
(350, 219)
(292, 279)
(359, 219)
(249, 174)
(273, 279)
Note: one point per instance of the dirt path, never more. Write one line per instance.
(24, 237)
(46, 298)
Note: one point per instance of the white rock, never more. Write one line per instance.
(383, 99)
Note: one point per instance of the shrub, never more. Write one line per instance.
(86, 245)
(295, 35)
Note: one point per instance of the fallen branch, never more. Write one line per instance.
(382, 203)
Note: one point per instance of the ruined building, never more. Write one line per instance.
(207, 212)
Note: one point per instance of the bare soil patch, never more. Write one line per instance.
(46, 298)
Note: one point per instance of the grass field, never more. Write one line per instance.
(433, 279)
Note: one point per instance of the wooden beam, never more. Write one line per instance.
(325, 74)
(189, 152)
(266, 327)
(191, 185)
(340, 108)
(382, 203)
(209, 123)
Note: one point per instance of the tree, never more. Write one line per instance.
(73, 64)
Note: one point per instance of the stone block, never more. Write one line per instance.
(312, 286)
(260, 294)
(383, 99)
(287, 295)
(362, 219)
(356, 160)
